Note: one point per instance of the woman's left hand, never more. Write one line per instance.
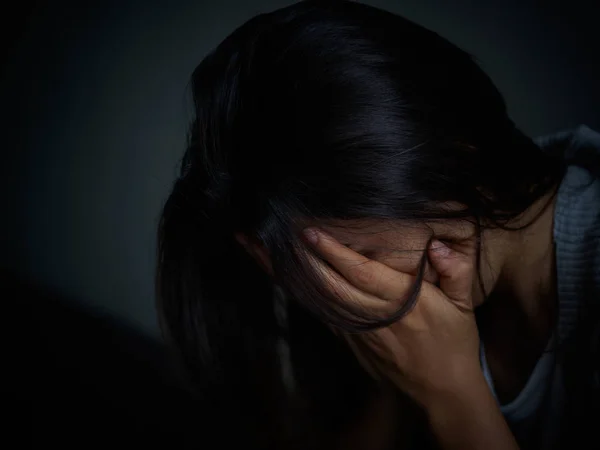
(432, 350)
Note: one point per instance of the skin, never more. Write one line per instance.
(517, 268)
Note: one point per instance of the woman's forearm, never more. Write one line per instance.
(470, 419)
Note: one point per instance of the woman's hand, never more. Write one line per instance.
(432, 350)
(432, 353)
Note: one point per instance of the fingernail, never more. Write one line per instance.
(311, 235)
(439, 248)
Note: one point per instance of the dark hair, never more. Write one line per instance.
(319, 111)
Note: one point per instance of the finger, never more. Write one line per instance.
(366, 274)
(455, 270)
(346, 292)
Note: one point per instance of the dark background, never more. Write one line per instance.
(94, 113)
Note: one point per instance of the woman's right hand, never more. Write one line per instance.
(432, 353)
(432, 350)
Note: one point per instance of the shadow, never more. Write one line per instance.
(89, 381)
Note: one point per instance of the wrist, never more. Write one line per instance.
(467, 386)
(472, 395)
(469, 417)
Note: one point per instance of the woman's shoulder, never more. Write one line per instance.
(577, 212)
(577, 226)
(578, 147)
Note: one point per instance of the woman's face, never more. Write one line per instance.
(401, 245)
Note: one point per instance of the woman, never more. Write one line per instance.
(451, 297)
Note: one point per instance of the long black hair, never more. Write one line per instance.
(320, 111)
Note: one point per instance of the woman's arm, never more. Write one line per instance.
(432, 352)
(468, 418)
